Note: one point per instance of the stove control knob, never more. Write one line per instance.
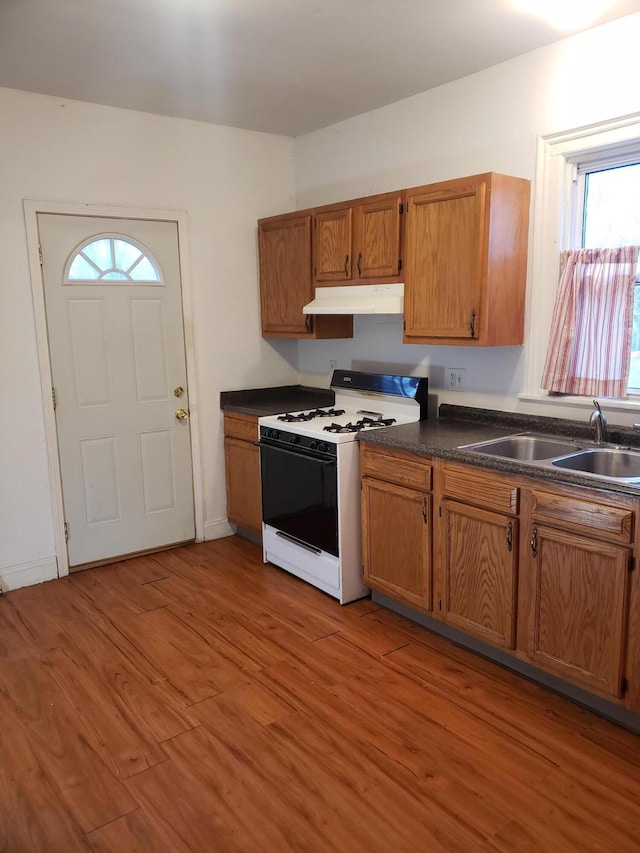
(295, 439)
(313, 445)
(323, 447)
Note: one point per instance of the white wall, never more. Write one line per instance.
(487, 121)
(224, 179)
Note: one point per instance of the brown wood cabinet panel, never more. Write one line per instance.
(332, 239)
(480, 566)
(239, 425)
(286, 285)
(465, 258)
(575, 600)
(244, 501)
(377, 239)
(606, 522)
(396, 538)
(395, 467)
(472, 485)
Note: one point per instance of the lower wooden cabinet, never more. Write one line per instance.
(396, 533)
(575, 590)
(242, 467)
(396, 525)
(479, 573)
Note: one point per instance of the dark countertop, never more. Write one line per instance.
(459, 425)
(273, 401)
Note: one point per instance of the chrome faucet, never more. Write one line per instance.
(599, 421)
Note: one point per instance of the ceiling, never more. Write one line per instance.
(281, 66)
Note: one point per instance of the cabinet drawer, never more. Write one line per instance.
(600, 520)
(244, 427)
(395, 467)
(477, 487)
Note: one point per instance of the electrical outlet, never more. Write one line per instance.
(456, 378)
(332, 365)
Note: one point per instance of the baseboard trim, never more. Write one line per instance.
(28, 574)
(218, 529)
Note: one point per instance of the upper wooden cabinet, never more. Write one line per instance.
(359, 241)
(332, 239)
(466, 260)
(285, 281)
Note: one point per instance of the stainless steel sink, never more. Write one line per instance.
(524, 448)
(612, 463)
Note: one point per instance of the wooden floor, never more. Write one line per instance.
(197, 700)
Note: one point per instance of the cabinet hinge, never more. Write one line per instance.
(632, 564)
(66, 531)
(404, 325)
(624, 686)
(40, 253)
(53, 397)
(439, 604)
(401, 210)
(440, 512)
(399, 264)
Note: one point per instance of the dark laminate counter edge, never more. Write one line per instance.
(273, 401)
(459, 426)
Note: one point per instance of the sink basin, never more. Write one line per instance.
(613, 463)
(524, 448)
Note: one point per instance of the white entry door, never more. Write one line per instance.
(116, 340)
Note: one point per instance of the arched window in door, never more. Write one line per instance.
(114, 259)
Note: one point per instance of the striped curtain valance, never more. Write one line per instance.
(590, 344)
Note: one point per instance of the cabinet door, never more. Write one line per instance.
(377, 250)
(285, 274)
(577, 603)
(244, 503)
(396, 530)
(332, 245)
(480, 565)
(445, 263)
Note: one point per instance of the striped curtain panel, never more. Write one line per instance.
(590, 345)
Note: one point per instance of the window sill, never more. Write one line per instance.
(630, 405)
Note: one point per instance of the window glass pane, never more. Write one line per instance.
(82, 269)
(126, 254)
(612, 207)
(634, 372)
(115, 275)
(144, 271)
(100, 253)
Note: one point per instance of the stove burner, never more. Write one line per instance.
(326, 413)
(363, 423)
(291, 418)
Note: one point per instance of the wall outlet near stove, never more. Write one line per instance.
(456, 378)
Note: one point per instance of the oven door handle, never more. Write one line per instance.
(298, 542)
(312, 457)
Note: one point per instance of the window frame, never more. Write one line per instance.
(555, 228)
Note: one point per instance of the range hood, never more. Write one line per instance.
(358, 299)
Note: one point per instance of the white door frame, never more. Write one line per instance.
(31, 210)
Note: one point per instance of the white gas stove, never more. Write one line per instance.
(311, 477)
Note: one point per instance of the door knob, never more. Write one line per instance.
(181, 414)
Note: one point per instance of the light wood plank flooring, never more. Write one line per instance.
(197, 700)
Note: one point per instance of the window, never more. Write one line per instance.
(114, 259)
(607, 214)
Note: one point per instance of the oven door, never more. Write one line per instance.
(300, 495)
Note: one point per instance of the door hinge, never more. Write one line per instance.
(624, 686)
(53, 397)
(40, 253)
(66, 531)
(401, 211)
(632, 564)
